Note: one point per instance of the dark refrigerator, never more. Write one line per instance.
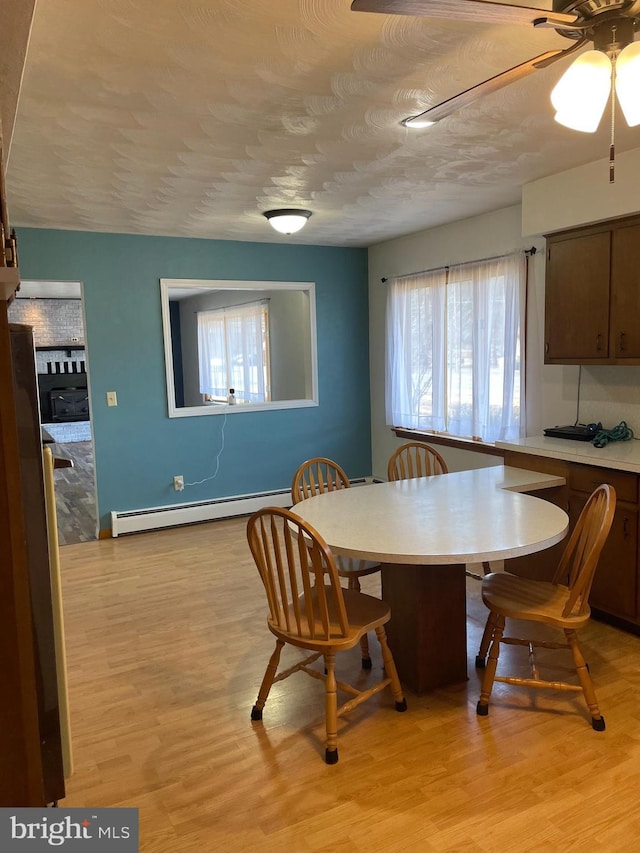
(45, 686)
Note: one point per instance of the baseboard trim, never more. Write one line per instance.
(155, 518)
(175, 515)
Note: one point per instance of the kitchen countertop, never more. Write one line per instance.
(617, 455)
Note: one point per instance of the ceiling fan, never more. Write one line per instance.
(582, 94)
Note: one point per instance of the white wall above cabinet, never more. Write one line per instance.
(582, 195)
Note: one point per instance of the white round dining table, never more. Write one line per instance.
(424, 531)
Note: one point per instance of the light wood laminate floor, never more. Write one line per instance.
(167, 644)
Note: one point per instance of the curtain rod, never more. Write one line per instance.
(264, 301)
(530, 251)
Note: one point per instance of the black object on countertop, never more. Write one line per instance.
(577, 432)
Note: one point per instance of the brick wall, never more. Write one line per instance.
(54, 321)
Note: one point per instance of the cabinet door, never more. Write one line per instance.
(577, 299)
(615, 584)
(625, 292)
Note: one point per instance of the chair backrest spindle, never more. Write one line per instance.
(317, 476)
(415, 459)
(579, 561)
(299, 574)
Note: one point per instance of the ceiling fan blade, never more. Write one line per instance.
(480, 11)
(505, 78)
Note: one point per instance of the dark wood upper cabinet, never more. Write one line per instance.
(625, 292)
(592, 299)
(577, 298)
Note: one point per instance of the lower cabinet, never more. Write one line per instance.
(614, 587)
(615, 593)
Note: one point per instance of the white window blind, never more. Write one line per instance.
(455, 350)
(233, 352)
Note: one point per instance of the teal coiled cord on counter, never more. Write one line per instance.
(619, 433)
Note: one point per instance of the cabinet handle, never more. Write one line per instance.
(621, 341)
(598, 342)
(625, 527)
(546, 346)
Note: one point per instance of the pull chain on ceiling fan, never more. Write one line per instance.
(611, 70)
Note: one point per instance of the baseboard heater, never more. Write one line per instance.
(154, 518)
(137, 520)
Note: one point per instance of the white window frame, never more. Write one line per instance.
(192, 286)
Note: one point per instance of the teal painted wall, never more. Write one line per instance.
(138, 448)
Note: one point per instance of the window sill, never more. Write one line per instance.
(448, 441)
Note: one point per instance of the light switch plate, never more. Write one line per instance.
(112, 398)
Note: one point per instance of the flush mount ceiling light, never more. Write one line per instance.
(287, 220)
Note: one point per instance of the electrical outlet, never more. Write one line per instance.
(178, 483)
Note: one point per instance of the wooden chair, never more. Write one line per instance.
(308, 608)
(562, 603)
(417, 459)
(315, 477)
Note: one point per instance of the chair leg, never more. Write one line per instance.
(331, 709)
(485, 641)
(267, 681)
(391, 671)
(597, 720)
(354, 584)
(365, 653)
(486, 569)
(482, 708)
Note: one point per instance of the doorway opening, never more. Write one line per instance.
(55, 311)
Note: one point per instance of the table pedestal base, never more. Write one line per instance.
(428, 627)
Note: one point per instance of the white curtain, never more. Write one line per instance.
(455, 354)
(233, 352)
(416, 351)
(212, 354)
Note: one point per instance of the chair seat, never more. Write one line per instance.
(351, 567)
(364, 613)
(521, 598)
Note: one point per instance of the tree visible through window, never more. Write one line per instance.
(455, 350)
(233, 352)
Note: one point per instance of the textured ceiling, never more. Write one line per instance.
(191, 117)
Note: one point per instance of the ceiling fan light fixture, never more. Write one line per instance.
(581, 94)
(628, 83)
(287, 220)
(415, 122)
